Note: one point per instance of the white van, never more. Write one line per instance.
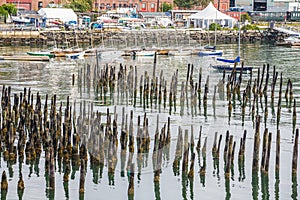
(237, 9)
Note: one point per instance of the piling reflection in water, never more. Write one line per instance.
(86, 137)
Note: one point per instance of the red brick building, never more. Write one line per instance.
(30, 4)
(140, 5)
(222, 5)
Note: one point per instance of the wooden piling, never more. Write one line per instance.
(52, 170)
(266, 167)
(82, 177)
(225, 153)
(279, 101)
(191, 172)
(73, 79)
(203, 167)
(277, 162)
(295, 153)
(20, 183)
(294, 120)
(232, 153)
(228, 157)
(214, 148)
(242, 146)
(192, 143)
(264, 150)
(199, 140)
(255, 158)
(4, 183)
(130, 190)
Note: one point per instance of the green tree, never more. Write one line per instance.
(214, 26)
(204, 3)
(245, 17)
(165, 7)
(8, 10)
(186, 4)
(80, 5)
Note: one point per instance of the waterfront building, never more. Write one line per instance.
(98, 5)
(30, 4)
(267, 5)
(109, 5)
(222, 5)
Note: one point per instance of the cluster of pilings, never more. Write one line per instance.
(70, 136)
(252, 96)
(29, 129)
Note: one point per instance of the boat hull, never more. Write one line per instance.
(79, 55)
(176, 53)
(230, 68)
(64, 52)
(225, 60)
(210, 53)
(163, 52)
(144, 53)
(50, 55)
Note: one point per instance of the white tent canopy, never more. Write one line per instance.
(209, 15)
(63, 14)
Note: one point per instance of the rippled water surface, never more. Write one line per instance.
(56, 78)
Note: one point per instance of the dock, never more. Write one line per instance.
(287, 30)
(25, 58)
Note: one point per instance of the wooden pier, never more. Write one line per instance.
(24, 58)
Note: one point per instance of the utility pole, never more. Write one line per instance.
(157, 8)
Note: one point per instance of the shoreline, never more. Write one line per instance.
(159, 36)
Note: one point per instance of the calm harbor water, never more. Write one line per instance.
(56, 78)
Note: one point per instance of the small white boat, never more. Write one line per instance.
(20, 19)
(224, 64)
(292, 39)
(180, 53)
(144, 53)
(230, 67)
(78, 55)
(41, 53)
(210, 53)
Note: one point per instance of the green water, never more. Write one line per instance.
(56, 78)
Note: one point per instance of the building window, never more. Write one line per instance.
(152, 5)
(114, 6)
(137, 6)
(40, 4)
(143, 5)
(120, 5)
(178, 16)
(125, 5)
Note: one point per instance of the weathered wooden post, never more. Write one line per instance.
(82, 177)
(294, 116)
(256, 145)
(295, 153)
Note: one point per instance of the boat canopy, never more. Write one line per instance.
(209, 15)
(63, 14)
